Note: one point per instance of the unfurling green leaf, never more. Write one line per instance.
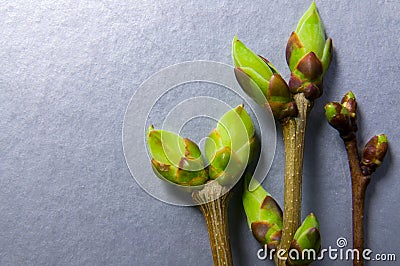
(244, 57)
(311, 31)
(261, 81)
(230, 146)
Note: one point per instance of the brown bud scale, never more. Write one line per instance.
(310, 66)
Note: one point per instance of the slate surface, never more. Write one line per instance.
(67, 72)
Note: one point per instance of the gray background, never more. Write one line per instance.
(67, 72)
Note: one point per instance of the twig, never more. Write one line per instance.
(343, 117)
(293, 135)
(359, 184)
(214, 201)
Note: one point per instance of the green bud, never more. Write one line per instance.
(308, 55)
(339, 118)
(311, 31)
(373, 154)
(264, 216)
(176, 159)
(260, 80)
(307, 237)
(235, 128)
(230, 145)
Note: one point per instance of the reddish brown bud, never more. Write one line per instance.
(311, 90)
(373, 154)
(339, 118)
(349, 102)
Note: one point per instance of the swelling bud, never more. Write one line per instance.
(262, 82)
(264, 216)
(230, 146)
(176, 159)
(308, 55)
(307, 241)
(373, 154)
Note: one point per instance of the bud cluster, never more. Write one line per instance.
(308, 55)
(228, 149)
(342, 116)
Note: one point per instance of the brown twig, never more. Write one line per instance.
(343, 117)
(359, 184)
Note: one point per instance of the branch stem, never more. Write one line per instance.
(359, 184)
(293, 136)
(214, 201)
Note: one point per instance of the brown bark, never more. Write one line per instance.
(359, 184)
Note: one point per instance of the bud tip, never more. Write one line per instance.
(382, 138)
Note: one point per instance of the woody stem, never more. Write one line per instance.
(213, 201)
(293, 136)
(359, 184)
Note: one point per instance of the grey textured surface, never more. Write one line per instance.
(67, 72)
